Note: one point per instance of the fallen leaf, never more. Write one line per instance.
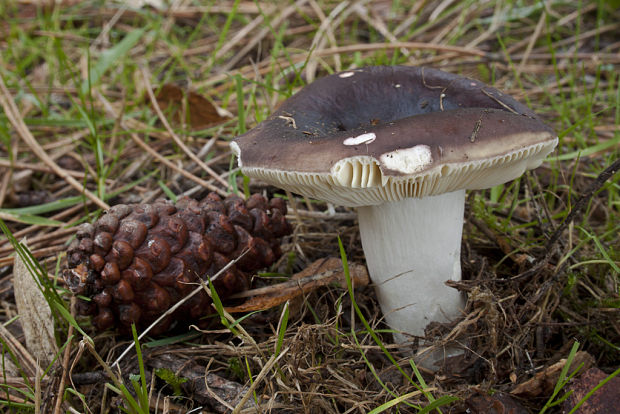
(35, 315)
(199, 112)
(544, 381)
(604, 400)
(498, 403)
(320, 273)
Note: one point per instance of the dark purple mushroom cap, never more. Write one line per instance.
(378, 134)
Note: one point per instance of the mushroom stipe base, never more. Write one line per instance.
(412, 248)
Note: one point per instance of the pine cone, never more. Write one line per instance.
(136, 261)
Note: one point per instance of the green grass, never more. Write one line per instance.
(60, 63)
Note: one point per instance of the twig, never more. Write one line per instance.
(499, 102)
(584, 200)
(612, 27)
(108, 26)
(37, 391)
(577, 209)
(284, 285)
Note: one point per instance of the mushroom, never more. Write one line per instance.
(402, 144)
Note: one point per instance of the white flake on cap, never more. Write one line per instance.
(346, 74)
(360, 139)
(408, 160)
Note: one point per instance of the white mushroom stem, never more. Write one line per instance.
(412, 248)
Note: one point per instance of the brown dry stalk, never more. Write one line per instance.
(531, 43)
(601, 57)
(6, 179)
(264, 67)
(335, 18)
(175, 137)
(581, 37)
(188, 12)
(14, 398)
(12, 113)
(66, 361)
(36, 167)
(44, 252)
(259, 378)
(326, 22)
(110, 109)
(243, 32)
(55, 235)
(60, 216)
(261, 35)
(27, 362)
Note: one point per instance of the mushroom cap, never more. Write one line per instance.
(377, 134)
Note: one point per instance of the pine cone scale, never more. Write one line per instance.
(156, 252)
(137, 260)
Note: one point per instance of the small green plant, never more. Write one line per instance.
(171, 379)
(282, 328)
(140, 403)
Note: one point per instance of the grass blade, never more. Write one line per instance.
(282, 328)
(110, 58)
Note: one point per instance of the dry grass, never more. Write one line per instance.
(78, 128)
